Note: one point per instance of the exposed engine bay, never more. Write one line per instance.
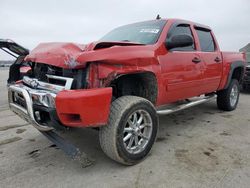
(48, 74)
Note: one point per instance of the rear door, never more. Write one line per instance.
(212, 59)
(181, 68)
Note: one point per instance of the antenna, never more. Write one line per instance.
(158, 17)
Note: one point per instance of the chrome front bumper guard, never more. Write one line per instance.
(26, 113)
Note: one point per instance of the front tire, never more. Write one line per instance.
(228, 99)
(131, 130)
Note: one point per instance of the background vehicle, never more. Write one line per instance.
(123, 82)
(246, 80)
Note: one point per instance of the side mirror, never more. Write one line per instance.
(179, 41)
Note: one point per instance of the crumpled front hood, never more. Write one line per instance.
(57, 54)
(70, 55)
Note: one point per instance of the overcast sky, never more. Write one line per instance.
(30, 22)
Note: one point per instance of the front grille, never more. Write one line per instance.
(40, 72)
(56, 81)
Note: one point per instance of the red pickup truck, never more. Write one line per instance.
(121, 83)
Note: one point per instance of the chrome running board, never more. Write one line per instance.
(164, 110)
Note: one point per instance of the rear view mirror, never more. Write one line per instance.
(179, 41)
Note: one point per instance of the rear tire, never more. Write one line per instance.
(228, 99)
(131, 130)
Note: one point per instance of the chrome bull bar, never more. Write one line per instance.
(27, 112)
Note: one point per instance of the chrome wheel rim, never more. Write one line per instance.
(234, 95)
(137, 131)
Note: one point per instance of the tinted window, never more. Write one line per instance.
(143, 32)
(180, 30)
(206, 40)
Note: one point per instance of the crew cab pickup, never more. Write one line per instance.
(121, 83)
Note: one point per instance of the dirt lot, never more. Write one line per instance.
(198, 147)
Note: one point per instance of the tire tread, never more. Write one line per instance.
(107, 134)
(223, 97)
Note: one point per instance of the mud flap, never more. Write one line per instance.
(71, 150)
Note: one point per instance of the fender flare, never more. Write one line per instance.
(233, 66)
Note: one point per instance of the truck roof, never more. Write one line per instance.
(188, 22)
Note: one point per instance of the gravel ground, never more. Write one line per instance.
(198, 147)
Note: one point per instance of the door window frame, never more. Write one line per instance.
(175, 25)
(216, 48)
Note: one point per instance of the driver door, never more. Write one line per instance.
(181, 68)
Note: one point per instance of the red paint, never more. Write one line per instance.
(177, 76)
(56, 53)
(89, 107)
(24, 69)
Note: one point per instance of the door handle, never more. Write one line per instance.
(217, 59)
(196, 60)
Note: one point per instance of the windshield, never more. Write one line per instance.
(143, 32)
